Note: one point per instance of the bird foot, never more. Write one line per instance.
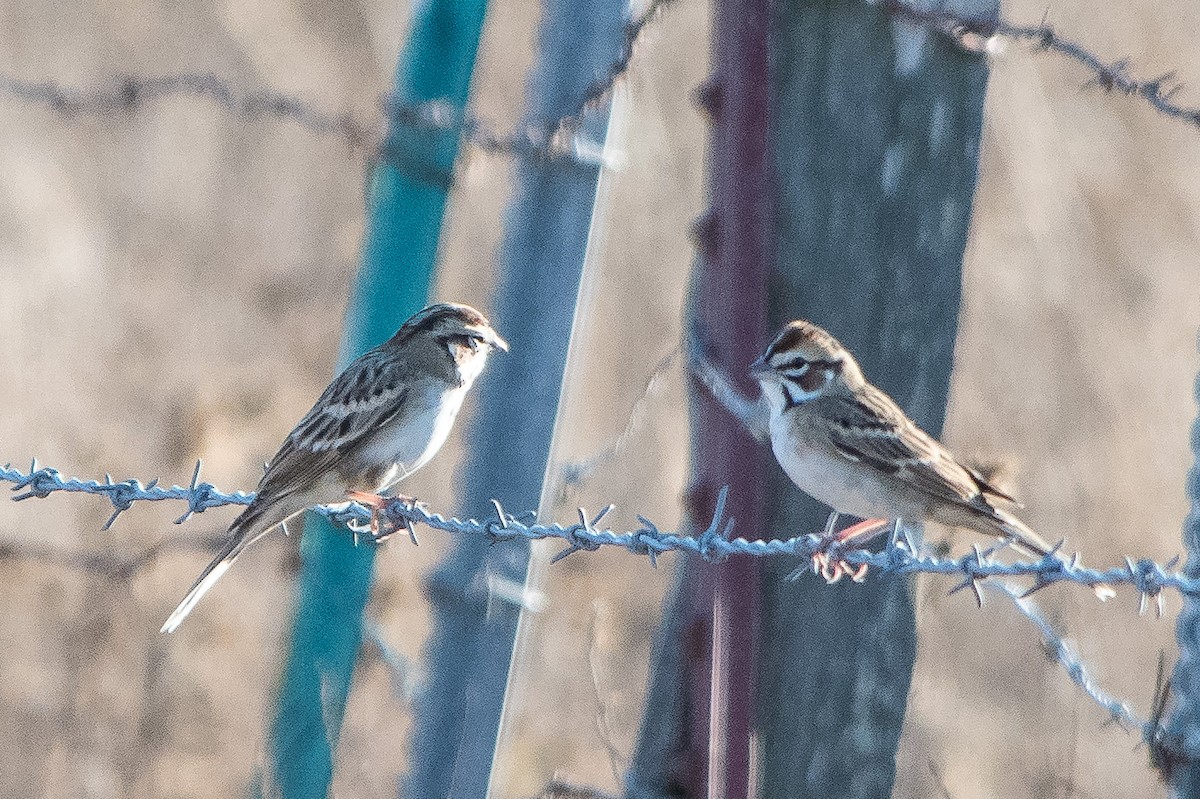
(832, 568)
(381, 527)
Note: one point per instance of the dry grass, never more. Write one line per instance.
(173, 284)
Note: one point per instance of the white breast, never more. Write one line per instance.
(410, 442)
(828, 477)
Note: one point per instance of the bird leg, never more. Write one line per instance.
(376, 503)
(825, 561)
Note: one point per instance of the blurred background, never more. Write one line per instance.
(173, 285)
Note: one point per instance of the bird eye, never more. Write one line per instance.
(455, 344)
(797, 364)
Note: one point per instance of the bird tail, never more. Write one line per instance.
(1030, 543)
(240, 536)
(1025, 540)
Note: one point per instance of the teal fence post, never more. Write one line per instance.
(408, 190)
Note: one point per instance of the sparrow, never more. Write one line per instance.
(379, 421)
(847, 444)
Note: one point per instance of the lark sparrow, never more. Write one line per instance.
(849, 445)
(379, 421)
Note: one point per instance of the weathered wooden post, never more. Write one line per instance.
(874, 139)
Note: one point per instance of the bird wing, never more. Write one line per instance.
(868, 427)
(371, 392)
(367, 395)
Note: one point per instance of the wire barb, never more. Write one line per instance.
(555, 140)
(715, 543)
(974, 33)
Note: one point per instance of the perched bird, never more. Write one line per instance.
(849, 445)
(379, 421)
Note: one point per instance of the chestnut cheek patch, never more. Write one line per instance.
(812, 380)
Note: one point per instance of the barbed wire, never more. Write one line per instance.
(1148, 578)
(1061, 651)
(129, 93)
(602, 87)
(714, 544)
(555, 139)
(974, 33)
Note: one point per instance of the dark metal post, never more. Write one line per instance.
(875, 137)
(697, 731)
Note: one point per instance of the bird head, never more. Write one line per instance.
(460, 331)
(803, 363)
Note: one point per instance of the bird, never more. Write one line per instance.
(849, 445)
(377, 422)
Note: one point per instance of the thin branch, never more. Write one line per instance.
(616, 760)
(110, 566)
(575, 472)
(941, 781)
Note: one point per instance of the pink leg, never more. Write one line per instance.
(862, 533)
(376, 503)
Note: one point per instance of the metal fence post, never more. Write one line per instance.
(407, 197)
(875, 136)
(1179, 761)
(476, 592)
(697, 727)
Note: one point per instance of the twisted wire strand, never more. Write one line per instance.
(1118, 711)
(1110, 75)
(713, 544)
(555, 139)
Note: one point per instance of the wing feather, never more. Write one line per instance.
(366, 396)
(868, 427)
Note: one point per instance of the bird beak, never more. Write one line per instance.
(494, 339)
(760, 367)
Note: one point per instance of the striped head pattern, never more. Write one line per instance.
(803, 363)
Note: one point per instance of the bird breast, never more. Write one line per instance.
(826, 476)
(408, 443)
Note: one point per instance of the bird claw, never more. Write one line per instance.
(827, 563)
(832, 568)
(382, 527)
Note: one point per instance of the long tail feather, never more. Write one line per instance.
(1030, 542)
(240, 537)
(207, 579)
(1023, 538)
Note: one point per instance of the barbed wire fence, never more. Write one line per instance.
(976, 570)
(558, 139)
(555, 139)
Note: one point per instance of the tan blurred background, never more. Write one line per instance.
(172, 286)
